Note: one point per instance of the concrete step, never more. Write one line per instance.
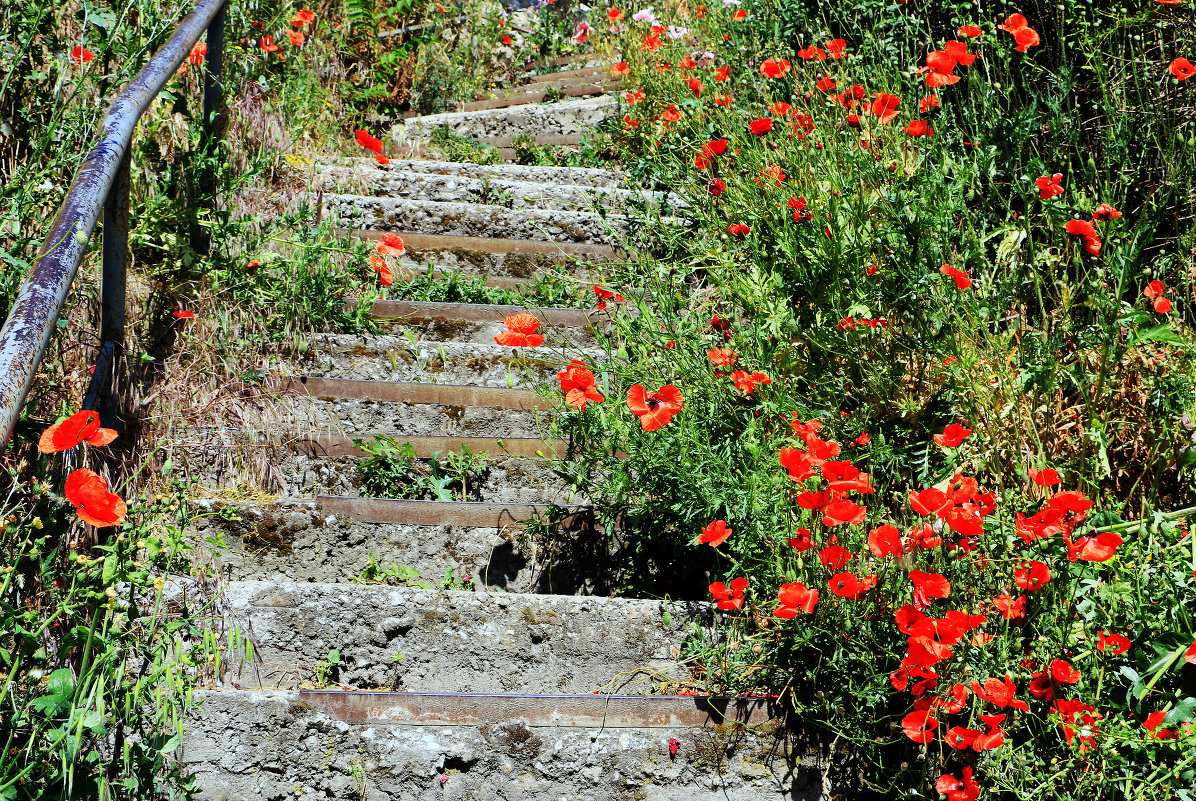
(541, 92)
(473, 219)
(389, 357)
(562, 75)
(578, 116)
(308, 464)
(301, 540)
(450, 640)
(275, 744)
(451, 396)
(573, 176)
(424, 186)
(506, 263)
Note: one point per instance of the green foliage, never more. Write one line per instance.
(98, 671)
(452, 146)
(392, 471)
(431, 88)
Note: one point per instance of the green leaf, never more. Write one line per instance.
(1183, 712)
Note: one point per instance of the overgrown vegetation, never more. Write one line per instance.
(919, 393)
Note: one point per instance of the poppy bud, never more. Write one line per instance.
(853, 120)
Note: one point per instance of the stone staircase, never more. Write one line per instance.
(524, 680)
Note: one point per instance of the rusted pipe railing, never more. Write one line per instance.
(102, 184)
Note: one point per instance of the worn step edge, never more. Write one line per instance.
(531, 247)
(472, 514)
(413, 310)
(410, 392)
(584, 72)
(536, 97)
(596, 177)
(581, 711)
(338, 445)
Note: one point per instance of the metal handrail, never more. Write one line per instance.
(101, 183)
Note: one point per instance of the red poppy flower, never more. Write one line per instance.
(614, 15)
(952, 436)
(802, 541)
(813, 499)
(303, 17)
(721, 357)
(797, 463)
(715, 533)
(812, 53)
(1000, 693)
(738, 229)
(1032, 575)
(1049, 187)
(846, 585)
(779, 109)
(1045, 478)
(1025, 36)
(962, 280)
(723, 100)
(391, 245)
(1099, 548)
(836, 48)
(695, 86)
(1115, 644)
(267, 44)
(620, 69)
(369, 142)
(1154, 289)
(774, 68)
(919, 725)
(722, 74)
(93, 502)
(81, 55)
(884, 107)
(959, 51)
(840, 511)
(970, 31)
(929, 102)
(826, 84)
(961, 738)
(80, 427)
(761, 126)
(793, 598)
(740, 15)
(919, 128)
(196, 56)
(884, 541)
(932, 585)
(1010, 608)
(716, 186)
(1162, 305)
(297, 38)
(577, 382)
(634, 97)
(1063, 672)
(385, 276)
(1190, 654)
(1181, 68)
(184, 314)
(729, 597)
(521, 331)
(655, 409)
(671, 114)
(748, 382)
(833, 557)
(1105, 212)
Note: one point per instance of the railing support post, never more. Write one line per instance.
(112, 296)
(213, 98)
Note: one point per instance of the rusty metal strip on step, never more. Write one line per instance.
(465, 514)
(533, 98)
(411, 392)
(337, 445)
(417, 242)
(572, 711)
(584, 72)
(477, 312)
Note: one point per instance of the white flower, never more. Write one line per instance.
(676, 32)
(644, 16)
(729, 3)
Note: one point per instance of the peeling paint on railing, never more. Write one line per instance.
(43, 293)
